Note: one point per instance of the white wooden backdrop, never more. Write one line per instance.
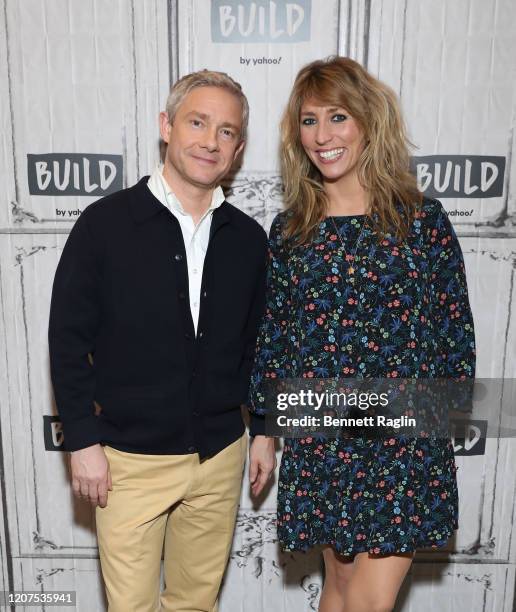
(91, 77)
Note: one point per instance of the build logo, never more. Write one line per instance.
(266, 21)
(80, 174)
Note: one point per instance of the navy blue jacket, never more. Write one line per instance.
(126, 365)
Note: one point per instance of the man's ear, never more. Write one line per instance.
(239, 149)
(164, 126)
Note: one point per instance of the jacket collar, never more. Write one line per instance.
(221, 216)
(144, 206)
(159, 187)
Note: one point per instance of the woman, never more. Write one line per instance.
(366, 280)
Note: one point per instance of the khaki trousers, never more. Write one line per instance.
(173, 504)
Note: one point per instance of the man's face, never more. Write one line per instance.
(204, 137)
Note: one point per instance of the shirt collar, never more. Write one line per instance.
(161, 190)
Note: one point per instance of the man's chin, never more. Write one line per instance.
(203, 181)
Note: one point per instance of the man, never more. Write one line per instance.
(155, 310)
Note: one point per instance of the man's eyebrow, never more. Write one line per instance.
(198, 114)
(231, 125)
(206, 117)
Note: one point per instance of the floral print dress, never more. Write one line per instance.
(407, 315)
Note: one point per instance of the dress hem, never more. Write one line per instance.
(371, 550)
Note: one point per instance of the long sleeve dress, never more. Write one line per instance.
(407, 315)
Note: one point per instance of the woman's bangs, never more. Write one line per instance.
(323, 92)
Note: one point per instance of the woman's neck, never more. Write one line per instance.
(346, 199)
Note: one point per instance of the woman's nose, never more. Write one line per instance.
(322, 134)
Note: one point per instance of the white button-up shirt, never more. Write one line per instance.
(196, 237)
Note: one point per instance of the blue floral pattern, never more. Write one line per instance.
(407, 315)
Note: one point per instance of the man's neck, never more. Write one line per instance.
(194, 200)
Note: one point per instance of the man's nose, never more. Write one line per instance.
(210, 139)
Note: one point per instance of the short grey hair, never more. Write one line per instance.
(206, 78)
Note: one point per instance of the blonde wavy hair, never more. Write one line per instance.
(383, 166)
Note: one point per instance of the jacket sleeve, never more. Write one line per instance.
(74, 321)
(254, 321)
(272, 356)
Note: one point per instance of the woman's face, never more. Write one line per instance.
(332, 140)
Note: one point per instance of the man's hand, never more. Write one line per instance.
(91, 478)
(262, 461)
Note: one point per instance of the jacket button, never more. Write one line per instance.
(182, 295)
(178, 257)
(191, 449)
(204, 294)
(200, 334)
